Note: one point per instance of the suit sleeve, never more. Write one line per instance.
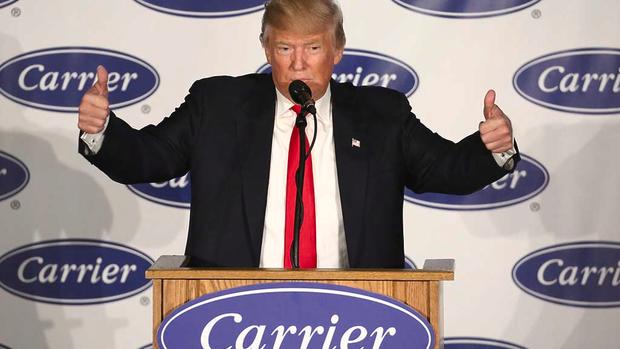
(435, 164)
(153, 153)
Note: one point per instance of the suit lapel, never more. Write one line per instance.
(254, 134)
(351, 144)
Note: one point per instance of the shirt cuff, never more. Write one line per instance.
(505, 159)
(94, 141)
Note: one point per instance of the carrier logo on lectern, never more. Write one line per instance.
(55, 79)
(295, 315)
(585, 81)
(478, 343)
(366, 68)
(528, 179)
(466, 9)
(582, 274)
(74, 271)
(211, 8)
(175, 192)
(4, 3)
(14, 175)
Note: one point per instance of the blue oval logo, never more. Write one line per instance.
(295, 315)
(466, 9)
(176, 192)
(366, 68)
(528, 179)
(55, 79)
(478, 343)
(205, 9)
(4, 3)
(585, 81)
(14, 175)
(581, 274)
(74, 271)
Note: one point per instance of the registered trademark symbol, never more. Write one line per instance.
(146, 109)
(16, 12)
(536, 13)
(534, 207)
(15, 204)
(145, 300)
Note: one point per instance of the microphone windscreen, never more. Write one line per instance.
(299, 91)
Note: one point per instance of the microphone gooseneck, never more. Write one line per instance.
(302, 95)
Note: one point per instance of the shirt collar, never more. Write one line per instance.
(323, 106)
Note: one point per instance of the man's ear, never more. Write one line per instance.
(338, 56)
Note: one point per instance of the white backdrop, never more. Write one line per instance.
(456, 60)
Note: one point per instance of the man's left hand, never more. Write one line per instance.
(496, 130)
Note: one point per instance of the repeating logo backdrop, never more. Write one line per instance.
(468, 9)
(74, 271)
(212, 9)
(584, 274)
(14, 175)
(581, 81)
(55, 79)
(536, 252)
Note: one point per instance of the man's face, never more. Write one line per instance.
(306, 57)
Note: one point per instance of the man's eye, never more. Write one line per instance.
(283, 49)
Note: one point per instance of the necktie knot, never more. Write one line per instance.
(296, 108)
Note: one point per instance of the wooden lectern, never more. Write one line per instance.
(175, 284)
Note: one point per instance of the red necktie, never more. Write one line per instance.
(307, 235)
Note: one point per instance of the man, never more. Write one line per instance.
(233, 133)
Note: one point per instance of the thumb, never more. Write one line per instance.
(102, 81)
(489, 102)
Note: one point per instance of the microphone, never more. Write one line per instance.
(302, 95)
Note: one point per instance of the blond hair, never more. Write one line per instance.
(303, 16)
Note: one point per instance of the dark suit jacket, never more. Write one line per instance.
(223, 132)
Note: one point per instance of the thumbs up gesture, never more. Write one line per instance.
(496, 129)
(95, 107)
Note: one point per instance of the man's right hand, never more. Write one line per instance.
(95, 107)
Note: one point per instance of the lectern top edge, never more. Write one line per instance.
(174, 267)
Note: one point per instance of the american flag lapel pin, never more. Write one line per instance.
(355, 143)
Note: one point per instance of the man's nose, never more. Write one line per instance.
(299, 60)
